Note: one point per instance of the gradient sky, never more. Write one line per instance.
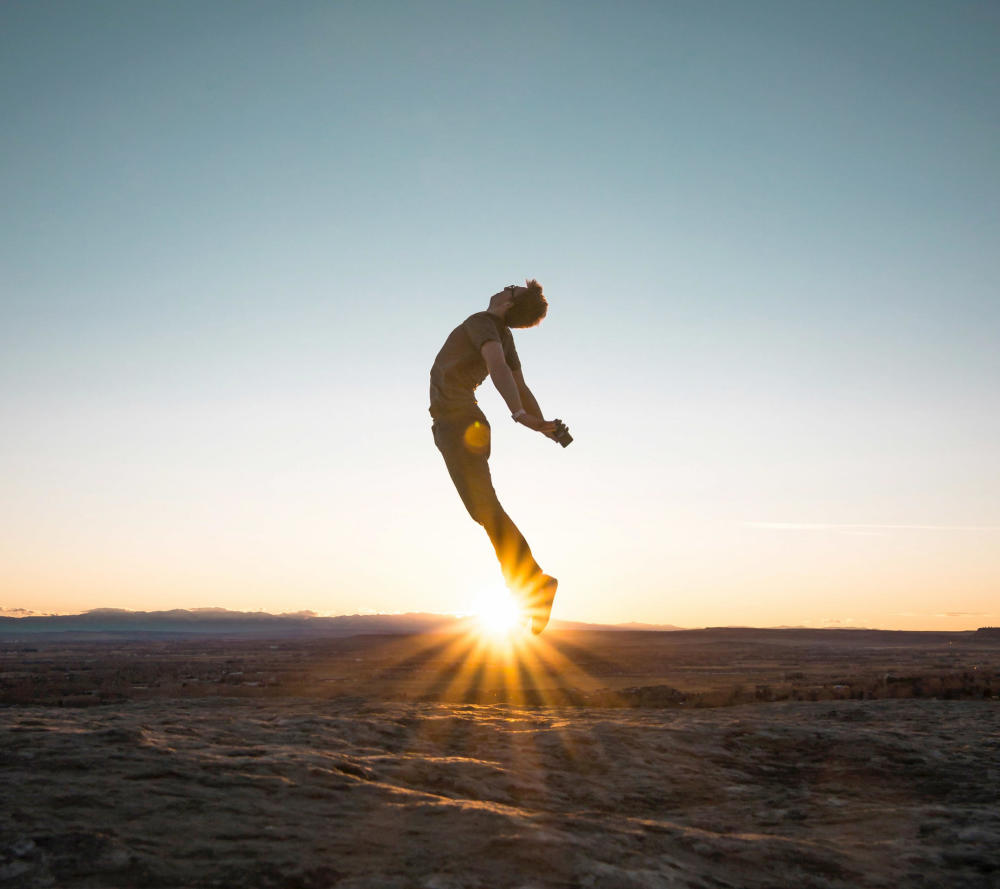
(234, 235)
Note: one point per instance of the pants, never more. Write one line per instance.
(465, 446)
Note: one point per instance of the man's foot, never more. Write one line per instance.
(540, 603)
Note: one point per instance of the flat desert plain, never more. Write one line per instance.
(715, 758)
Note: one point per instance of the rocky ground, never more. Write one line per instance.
(362, 792)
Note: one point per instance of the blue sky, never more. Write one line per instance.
(235, 234)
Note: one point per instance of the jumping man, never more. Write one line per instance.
(479, 345)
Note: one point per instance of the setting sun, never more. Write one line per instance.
(497, 611)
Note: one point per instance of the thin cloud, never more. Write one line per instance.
(863, 527)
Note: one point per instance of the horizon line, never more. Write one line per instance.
(639, 626)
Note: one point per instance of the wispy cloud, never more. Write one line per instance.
(861, 527)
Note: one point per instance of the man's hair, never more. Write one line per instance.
(529, 307)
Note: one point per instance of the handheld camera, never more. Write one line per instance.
(562, 433)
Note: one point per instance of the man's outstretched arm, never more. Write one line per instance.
(527, 398)
(511, 391)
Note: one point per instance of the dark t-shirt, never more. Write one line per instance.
(459, 367)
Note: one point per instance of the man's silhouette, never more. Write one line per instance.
(481, 345)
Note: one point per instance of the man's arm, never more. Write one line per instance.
(507, 385)
(527, 399)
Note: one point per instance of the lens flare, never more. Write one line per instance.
(477, 438)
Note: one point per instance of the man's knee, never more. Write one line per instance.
(482, 515)
(485, 511)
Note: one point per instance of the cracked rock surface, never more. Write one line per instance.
(356, 793)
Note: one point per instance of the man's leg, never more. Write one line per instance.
(466, 450)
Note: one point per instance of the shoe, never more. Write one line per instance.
(540, 603)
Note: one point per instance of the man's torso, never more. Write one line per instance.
(459, 367)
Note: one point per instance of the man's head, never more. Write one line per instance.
(520, 306)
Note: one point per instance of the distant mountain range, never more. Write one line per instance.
(121, 623)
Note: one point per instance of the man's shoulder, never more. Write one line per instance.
(482, 316)
(485, 323)
(482, 327)
(487, 320)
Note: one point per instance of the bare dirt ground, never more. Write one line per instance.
(356, 763)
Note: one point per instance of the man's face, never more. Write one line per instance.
(503, 300)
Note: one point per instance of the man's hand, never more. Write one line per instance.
(546, 427)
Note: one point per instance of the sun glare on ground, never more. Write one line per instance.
(497, 612)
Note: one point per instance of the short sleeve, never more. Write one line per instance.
(481, 330)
